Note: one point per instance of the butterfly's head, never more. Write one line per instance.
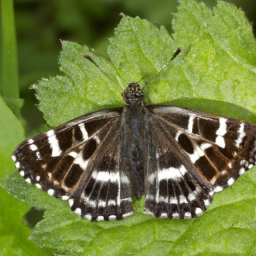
(133, 94)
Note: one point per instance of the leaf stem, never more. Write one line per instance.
(9, 88)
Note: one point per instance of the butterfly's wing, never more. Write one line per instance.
(193, 155)
(79, 161)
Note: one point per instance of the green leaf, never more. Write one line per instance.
(215, 72)
(11, 133)
(14, 232)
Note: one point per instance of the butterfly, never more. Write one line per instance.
(177, 157)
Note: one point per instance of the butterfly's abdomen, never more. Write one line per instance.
(133, 147)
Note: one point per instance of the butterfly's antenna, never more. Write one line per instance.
(103, 71)
(165, 65)
(100, 68)
(119, 82)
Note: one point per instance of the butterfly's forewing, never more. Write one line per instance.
(78, 161)
(196, 154)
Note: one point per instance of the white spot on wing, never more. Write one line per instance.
(102, 204)
(28, 180)
(173, 200)
(183, 199)
(73, 154)
(14, 158)
(211, 193)
(88, 216)
(206, 203)
(183, 170)
(124, 179)
(33, 147)
(151, 178)
(198, 152)
(84, 132)
(191, 196)
(187, 215)
(126, 199)
(241, 135)
(71, 202)
(64, 197)
(38, 178)
(50, 191)
(54, 144)
(218, 189)
(80, 161)
(241, 171)
(22, 173)
(111, 202)
(78, 211)
(198, 211)
(114, 177)
(150, 197)
(92, 203)
(17, 164)
(170, 173)
(190, 123)
(204, 146)
(163, 199)
(30, 141)
(175, 215)
(56, 182)
(101, 176)
(112, 217)
(38, 155)
(231, 181)
(220, 141)
(163, 215)
(223, 127)
(100, 218)
(38, 185)
(96, 138)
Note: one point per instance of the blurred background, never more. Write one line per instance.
(41, 24)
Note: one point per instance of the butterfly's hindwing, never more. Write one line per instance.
(173, 190)
(104, 193)
(197, 154)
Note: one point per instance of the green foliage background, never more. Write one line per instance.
(215, 73)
